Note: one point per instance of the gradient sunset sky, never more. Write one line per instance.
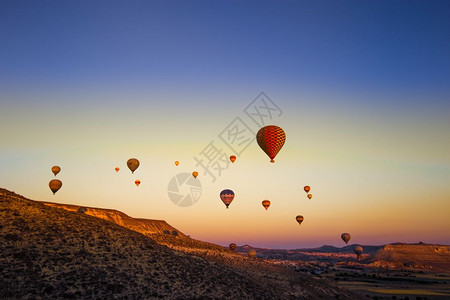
(363, 89)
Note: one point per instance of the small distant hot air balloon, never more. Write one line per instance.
(227, 197)
(309, 196)
(55, 185)
(345, 237)
(133, 164)
(358, 251)
(251, 253)
(117, 169)
(307, 188)
(195, 174)
(271, 139)
(232, 158)
(299, 219)
(266, 204)
(177, 163)
(56, 169)
(233, 247)
(137, 182)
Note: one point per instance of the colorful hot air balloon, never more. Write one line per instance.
(358, 251)
(251, 253)
(232, 158)
(195, 174)
(233, 247)
(271, 139)
(266, 204)
(307, 188)
(345, 237)
(55, 185)
(137, 182)
(117, 169)
(299, 219)
(177, 163)
(133, 164)
(227, 196)
(309, 196)
(56, 169)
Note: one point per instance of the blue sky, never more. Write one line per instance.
(364, 87)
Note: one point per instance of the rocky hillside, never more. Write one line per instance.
(46, 252)
(144, 226)
(413, 256)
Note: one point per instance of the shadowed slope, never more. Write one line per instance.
(48, 252)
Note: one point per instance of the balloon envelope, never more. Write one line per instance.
(117, 169)
(299, 219)
(227, 197)
(345, 237)
(133, 164)
(232, 158)
(55, 185)
(137, 182)
(177, 163)
(266, 204)
(233, 246)
(271, 139)
(307, 188)
(195, 174)
(358, 251)
(56, 169)
(309, 196)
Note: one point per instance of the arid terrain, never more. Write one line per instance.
(48, 252)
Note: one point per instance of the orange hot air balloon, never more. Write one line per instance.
(227, 197)
(309, 196)
(307, 188)
(133, 164)
(358, 251)
(55, 185)
(177, 163)
(271, 139)
(137, 182)
(252, 253)
(56, 169)
(299, 219)
(232, 158)
(345, 237)
(195, 174)
(266, 204)
(117, 169)
(233, 247)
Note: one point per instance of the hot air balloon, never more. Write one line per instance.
(309, 196)
(271, 139)
(232, 158)
(195, 174)
(133, 164)
(56, 169)
(307, 188)
(299, 219)
(266, 204)
(358, 251)
(117, 169)
(227, 196)
(177, 163)
(55, 185)
(345, 237)
(137, 182)
(233, 247)
(251, 253)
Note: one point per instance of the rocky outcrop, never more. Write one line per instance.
(413, 256)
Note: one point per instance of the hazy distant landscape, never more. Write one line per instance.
(50, 249)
